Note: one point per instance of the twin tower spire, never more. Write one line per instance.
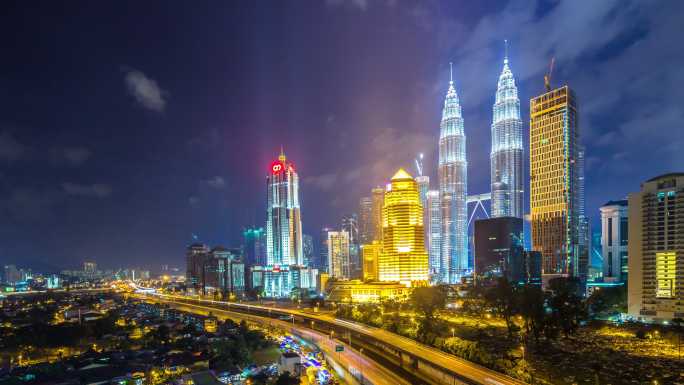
(506, 171)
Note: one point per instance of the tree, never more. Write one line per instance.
(608, 299)
(427, 301)
(287, 379)
(567, 308)
(502, 298)
(531, 307)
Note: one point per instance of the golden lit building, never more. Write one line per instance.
(403, 257)
(355, 291)
(655, 279)
(369, 255)
(555, 183)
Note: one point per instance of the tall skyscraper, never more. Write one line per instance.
(495, 239)
(656, 249)
(365, 220)
(254, 245)
(507, 149)
(614, 238)
(434, 233)
(308, 249)
(284, 244)
(378, 196)
(283, 225)
(403, 257)
(453, 189)
(350, 224)
(323, 253)
(555, 183)
(338, 255)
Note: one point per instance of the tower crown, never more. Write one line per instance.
(401, 174)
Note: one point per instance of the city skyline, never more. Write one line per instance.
(115, 141)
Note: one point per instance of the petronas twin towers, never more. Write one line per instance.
(506, 172)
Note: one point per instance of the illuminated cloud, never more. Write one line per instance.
(145, 90)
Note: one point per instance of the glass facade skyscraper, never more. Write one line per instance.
(434, 233)
(507, 149)
(284, 224)
(555, 184)
(453, 182)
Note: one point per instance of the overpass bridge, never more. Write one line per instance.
(426, 365)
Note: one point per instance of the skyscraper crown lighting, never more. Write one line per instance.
(507, 148)
(453, 180)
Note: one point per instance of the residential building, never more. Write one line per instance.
(655, 288)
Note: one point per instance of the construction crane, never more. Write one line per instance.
(419, 164)
(547, 77)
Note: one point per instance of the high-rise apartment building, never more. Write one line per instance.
(350, 224)
(614, 239)
(453, 182)
(434, 233)
(507, 149)
(284, 224)
(338, 255)
(365, 220)
(555, 183)
(378, 196)
(403, 257)
(656, 249)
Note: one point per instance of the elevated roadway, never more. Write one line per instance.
(426, 364)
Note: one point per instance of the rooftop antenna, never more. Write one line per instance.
(282, 154)
(547, 77)
(419, 164)
(505, 51)
(451, 73)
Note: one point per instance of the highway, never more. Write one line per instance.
(462, 371)
(357, 368)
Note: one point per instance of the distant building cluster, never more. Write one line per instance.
(406, 234)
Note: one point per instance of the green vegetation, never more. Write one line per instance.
(537, 336)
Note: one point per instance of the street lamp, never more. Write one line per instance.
(453, 333)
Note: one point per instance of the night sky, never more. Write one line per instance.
(126, 127)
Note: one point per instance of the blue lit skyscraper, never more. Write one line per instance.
(507, 149)
(453, 189)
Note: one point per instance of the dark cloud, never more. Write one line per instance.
(10, 148)
(97, 190)
(71, 156)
